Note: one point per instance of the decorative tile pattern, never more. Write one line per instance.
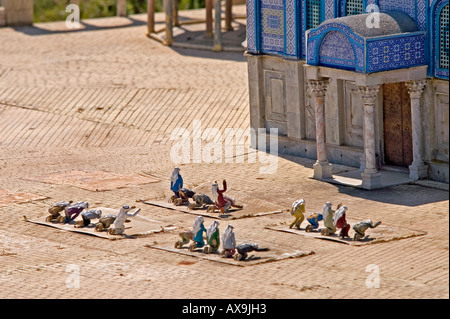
(291, 27)
(272, 26)
(251, 26)
(396, 52)
(336, 50)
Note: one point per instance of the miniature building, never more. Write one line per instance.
(362, 83)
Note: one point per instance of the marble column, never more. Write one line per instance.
(217, 26)
(322, 169)
(418, 169)
(168, 8)
(371, 177)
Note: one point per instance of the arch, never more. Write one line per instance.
(336, 50)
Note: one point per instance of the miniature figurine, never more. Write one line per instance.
(313, 220)
(87, 217)
(328, 215)
(340, 221)
(184, 195)
(72, 211)
(244, 249)
(118, 224)
(186, 236)
(200, 200)
(176, 183)
(105, 222)
(298, 211)
(213, 238)
(361, 227)
(56, 209)
(228, 242)
(221, 201)
(197, 234)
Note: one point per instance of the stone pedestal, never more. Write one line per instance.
(418, 169)
(322, 169)
(18, 12)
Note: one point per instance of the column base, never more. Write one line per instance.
(322, 170)
(217, 48)
(417, 172)
(371, 180)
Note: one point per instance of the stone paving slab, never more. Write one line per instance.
(8, 198)
(96, 181)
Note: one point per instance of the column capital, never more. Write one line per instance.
(415, 88)
(319, 87)
(369, 93)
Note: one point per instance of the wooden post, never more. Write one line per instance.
(217, 26)
(151, 16)
(228, 14)
(209, 18)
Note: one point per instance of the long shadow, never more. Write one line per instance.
(34, 30)
(229, 39)
(405, 195)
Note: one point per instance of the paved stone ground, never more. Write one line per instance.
(107, 99)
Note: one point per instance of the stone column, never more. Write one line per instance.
(217, 26)
(175, 4)
(121, 8)
(209, 18)
(322, 169)
(168, 8)
(418, 169)
(151, 16)
(371, 177)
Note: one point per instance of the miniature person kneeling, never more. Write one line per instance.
(228, 242)
(118, 227)
(221, 201)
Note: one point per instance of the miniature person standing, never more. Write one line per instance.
(298, 211)
(228, 242)
(340, 221)
(223, 202)
(197, 232)
(118, 225)
(176, 182)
